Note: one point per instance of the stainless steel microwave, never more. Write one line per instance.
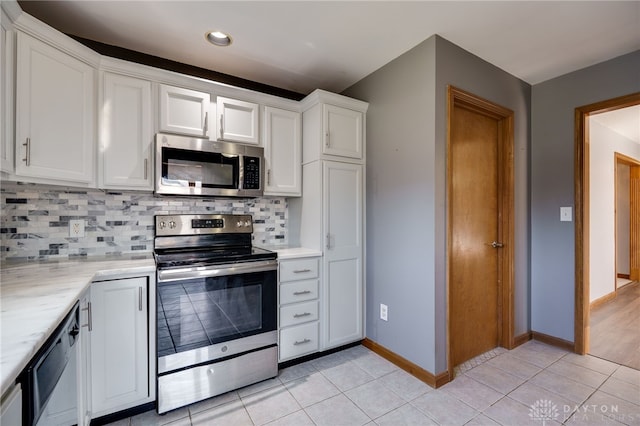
(192, 166)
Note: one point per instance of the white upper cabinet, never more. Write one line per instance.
(282, 151)
(342, 131)
(126, 133)
(184, 111)
(238, 121)
(55, 114)
(333, 128)
(7, 51)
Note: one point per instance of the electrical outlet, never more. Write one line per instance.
(76, 228)
(384, 312)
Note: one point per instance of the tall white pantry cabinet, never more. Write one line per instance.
(331, 210)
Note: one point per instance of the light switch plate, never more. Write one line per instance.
(566, 214)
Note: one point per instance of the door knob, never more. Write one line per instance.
(496, 244)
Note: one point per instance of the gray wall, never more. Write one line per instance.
(552, 179)
(400, 203)
(406, 184)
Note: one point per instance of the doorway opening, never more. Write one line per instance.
(480, 237)
(583, 235)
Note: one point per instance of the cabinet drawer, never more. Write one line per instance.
(298, 313)
(299, 340)
(298, 291)
(298, 269)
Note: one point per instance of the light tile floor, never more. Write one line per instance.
(534, 384)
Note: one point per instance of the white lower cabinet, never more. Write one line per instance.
(11, 406)
(299, 310)
(84, 364)
(121, 350)
(298, 341)
(343, 268)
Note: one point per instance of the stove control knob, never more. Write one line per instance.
(239, 224)
(172, 225)
(162, 225)
(247, 223)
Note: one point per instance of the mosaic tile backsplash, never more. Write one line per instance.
(35, 220)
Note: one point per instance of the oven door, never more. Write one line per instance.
(207, 313)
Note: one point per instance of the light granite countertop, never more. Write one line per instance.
(287, 252)
(36, 296)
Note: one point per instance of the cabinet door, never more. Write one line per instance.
(342, 132)
(342, 187)
(237, 121)
(126, 135)
(84, 366)
(119, 339)
(55, 110)
(282, 152)
(184, 111)
(7, 51)
(11, 407)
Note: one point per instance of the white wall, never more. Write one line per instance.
(604, 143)
(623, 219)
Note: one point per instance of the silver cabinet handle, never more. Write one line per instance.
(328, 240)
(306, 314)
(206, 123)
(140, 298)
(268, 176)
(146, 168)
(301, 342)
(221, 126)
(89, 323)
(300, 293)
(327, 139)
(27, 154)
(301, 271)
(496, 244)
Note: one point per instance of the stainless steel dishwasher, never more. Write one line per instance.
(49, 381)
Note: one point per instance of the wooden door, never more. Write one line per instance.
(480, 194)
(634, 228)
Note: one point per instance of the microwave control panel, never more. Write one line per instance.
(251, 173)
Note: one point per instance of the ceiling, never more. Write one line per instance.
(625, 121)
(304, 45)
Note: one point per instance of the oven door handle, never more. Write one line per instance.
(166, 275)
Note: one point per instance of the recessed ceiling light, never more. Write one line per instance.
(218, 38)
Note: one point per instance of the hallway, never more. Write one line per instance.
(614, 328)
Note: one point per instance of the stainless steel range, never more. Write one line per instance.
(217, 308)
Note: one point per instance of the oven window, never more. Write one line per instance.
(205, 311)
(200, 169)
